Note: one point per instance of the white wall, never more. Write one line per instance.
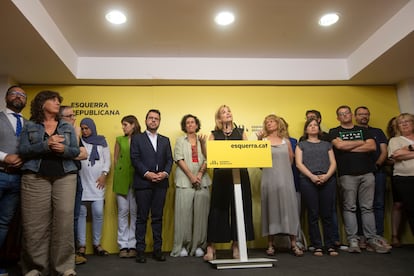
(405, 93)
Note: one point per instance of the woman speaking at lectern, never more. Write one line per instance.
(222, 225)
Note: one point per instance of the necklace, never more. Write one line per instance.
(228, 133)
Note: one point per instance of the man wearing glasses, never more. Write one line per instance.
(353, 147)
(11, 123)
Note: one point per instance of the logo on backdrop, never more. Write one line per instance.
(93, 109)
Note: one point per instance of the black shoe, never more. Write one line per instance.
(158, 256)
(140, 258)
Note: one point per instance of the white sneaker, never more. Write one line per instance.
(183, 252)
(199, 252)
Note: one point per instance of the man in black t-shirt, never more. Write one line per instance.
(353, 146)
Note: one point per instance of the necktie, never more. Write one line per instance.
(18, 124)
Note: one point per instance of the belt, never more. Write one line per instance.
(10, 170)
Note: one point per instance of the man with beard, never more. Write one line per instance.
(353, 147)
(362, 116)
(152, 159)
(11, 123)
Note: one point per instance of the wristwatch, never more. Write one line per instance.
(410, 147)
(105, 173)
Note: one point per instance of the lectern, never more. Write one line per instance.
(235, 155)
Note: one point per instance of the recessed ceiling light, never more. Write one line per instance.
(116, 17)
(329, 19)
(224, 18)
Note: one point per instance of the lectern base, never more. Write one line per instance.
(250, 263)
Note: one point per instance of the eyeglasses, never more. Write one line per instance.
(344, 113)
(404, 122)
(72, 116)
(17, 94)
(153, 118)
(363, 114)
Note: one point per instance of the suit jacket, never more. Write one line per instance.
(144, 158)
(8, 140)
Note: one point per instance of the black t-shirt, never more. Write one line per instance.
(352, 163)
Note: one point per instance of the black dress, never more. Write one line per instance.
(222, 225)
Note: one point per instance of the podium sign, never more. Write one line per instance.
(238, 154)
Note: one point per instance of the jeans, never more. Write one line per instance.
(97, 221)
(335, 227)
(379, 201)
(319, 203)
(378, 205)
(78, 202)
(361, 188)
(9, 200)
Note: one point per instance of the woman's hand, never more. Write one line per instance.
(55, 143)
(260, 135)
(100, 182)
(202, 138)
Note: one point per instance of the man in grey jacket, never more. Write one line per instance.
(11, 123)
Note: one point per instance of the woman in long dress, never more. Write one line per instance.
(222, 226)
(279, 203)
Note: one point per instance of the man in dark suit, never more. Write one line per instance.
(151, 157)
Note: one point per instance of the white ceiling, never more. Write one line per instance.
(177, 42)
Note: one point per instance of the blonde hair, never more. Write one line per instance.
(281, 126)
(401, 117)
(219, 124)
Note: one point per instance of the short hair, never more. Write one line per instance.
(403, 116)
(360, 107)
(63, 108)
(316, 112)
(343, 106)
(154, 111)
(12, 87)
(184, 121)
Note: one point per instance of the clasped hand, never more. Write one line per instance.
(319, 179)
(55, 143)
(156, 177)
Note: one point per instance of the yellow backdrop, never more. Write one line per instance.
(249, 104)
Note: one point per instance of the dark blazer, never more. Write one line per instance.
(144, 158)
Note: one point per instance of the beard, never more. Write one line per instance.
(16, 104)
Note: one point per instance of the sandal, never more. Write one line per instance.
(210, 254)
(99, 251)
(82, 251)
(297, 251)
(395, 241)
(236, 253)
(270, 251)
(332, 252)
(318, 252)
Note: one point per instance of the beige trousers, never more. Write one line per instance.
(47, 220)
